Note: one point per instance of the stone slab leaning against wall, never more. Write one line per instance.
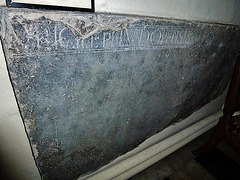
(91, 87)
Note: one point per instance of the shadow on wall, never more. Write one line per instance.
(4, 173)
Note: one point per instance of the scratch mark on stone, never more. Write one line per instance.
(56, 133)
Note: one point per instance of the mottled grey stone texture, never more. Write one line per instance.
(91, 87)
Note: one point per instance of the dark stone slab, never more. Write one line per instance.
(91, 87)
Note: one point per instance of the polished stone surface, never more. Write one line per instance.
(91, 87)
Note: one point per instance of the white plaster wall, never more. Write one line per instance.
(220, 11)
(15, 153)
(2, 3)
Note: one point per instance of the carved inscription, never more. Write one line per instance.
(61, 38)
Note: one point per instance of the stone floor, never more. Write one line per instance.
(181, 164)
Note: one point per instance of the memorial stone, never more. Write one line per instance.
(91, 87)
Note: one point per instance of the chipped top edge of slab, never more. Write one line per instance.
(134, 17)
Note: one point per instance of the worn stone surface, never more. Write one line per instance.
(91, 87)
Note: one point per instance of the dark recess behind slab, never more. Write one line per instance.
(91, 87)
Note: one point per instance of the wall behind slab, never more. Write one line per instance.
(16, 160)
(221, 11)
(2, 3)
